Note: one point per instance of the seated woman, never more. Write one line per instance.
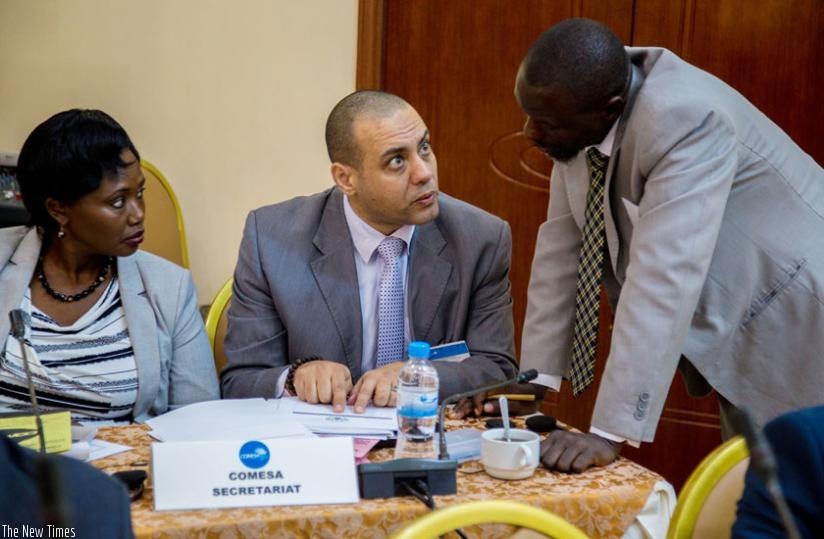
(114, 332)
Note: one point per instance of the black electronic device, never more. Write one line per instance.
(12, 211)
(494, 423)
(134, 480)
(541, 423)
(388, 479)
(535, 423)
(388, 443)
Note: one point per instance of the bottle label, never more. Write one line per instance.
(416, 404)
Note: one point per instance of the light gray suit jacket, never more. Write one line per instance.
(296, 293)
(174, 361)
(714, 224)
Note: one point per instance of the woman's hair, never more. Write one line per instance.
(66, 157)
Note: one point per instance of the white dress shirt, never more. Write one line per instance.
(369, 267)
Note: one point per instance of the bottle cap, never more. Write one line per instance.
(419, 349)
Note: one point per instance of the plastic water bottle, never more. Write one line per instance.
(417, 405)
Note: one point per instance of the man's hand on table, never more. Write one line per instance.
(478, 405)
(323, 382)
(377, 385)
(574, 452)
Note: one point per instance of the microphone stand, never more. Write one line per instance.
(54, 504)
(18, 330)
(521, 378)
(399, 477)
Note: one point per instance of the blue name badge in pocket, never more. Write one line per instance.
(451, 351)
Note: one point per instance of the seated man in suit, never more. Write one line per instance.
(329, 288)
(797, 439)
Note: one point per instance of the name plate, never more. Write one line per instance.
(22, 428)
(294, 471)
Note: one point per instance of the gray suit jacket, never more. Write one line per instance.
(714, 223)
(296, 293)
(175, 365)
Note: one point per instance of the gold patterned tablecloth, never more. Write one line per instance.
(602, 501)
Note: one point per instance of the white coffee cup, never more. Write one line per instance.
(515, 459)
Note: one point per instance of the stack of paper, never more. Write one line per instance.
(239, 419)
(376, 423)
(230, 419)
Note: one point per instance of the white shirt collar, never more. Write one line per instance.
(365, 238)
(605, 147)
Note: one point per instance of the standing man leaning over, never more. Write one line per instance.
(708, 224)
(329, 288)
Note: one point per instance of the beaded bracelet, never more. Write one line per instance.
(290, 378)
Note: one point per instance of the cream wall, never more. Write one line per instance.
(227, 97)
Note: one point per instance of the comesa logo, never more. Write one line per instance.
(254, 454)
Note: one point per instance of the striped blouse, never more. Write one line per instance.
(87, 367)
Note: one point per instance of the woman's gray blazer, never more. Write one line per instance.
(174, 361)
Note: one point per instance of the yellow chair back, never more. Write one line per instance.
(447, 519)
(707, 504)
(165, 232)
(217, 322)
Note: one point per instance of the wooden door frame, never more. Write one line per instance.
(371, 22)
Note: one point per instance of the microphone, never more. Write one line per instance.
(520, 378)
(18, 331)
(434, 476)
(762, 463)
(54, 504)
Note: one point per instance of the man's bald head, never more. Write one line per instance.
(580, 57)
(340, 137)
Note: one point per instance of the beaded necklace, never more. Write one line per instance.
(66, 298)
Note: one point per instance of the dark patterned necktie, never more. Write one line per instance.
(390, 303)
(590, 269)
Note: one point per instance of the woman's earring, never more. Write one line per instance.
(60, 233)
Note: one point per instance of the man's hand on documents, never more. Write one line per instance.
(574, 452)
(377, 385)
(323, 382)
